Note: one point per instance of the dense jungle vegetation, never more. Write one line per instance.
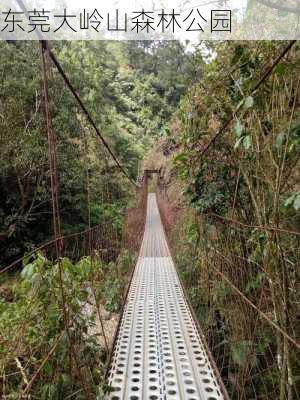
(131, 89)
(232, 212)
(224, 199)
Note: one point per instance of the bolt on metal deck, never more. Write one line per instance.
(159, 353)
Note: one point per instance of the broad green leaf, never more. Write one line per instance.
(180, 157)
(291, 147)
(238, 143)
(249, 101)
(247, 142)
(282, 13)
(28, 271)
(297, 202)
(293, 201)
(26, 260)
(280, 139)
(280, 69)
(240, 103)
(239, 129)
(289, 201)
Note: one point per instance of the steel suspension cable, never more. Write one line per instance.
(249, 302)
(56, 212)
(85, 111)
(60, 69)
(90, 239)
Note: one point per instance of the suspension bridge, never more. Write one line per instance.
(159, 352)
(159, 349)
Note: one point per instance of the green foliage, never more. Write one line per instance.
(256, 282)
(113, 285)
(249, 102)
(293, 201)
(249, 177)
(241, 351)
(210, 194)
(32, 322)
(130, 88)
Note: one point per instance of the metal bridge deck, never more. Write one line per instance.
(159, 353)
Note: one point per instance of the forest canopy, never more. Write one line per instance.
(218, 125)
(131, 90)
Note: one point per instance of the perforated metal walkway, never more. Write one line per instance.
(159, 353)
